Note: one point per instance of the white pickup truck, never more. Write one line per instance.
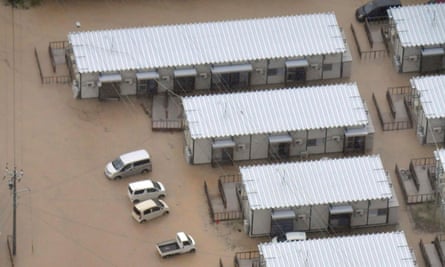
(182, 244)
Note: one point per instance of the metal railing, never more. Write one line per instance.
(62, 79)
(253, 255)
(163, 125)
(424, 254)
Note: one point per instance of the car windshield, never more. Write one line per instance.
(156, 185)
(117, 164)
(369, 7)
(158, 203)
(136, 211)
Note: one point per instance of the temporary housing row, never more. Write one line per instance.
(428, 106)
(224, 55)
(321, 195)
(417, 36)
(276, 124)
(378, 249)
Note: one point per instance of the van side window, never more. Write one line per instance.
(142, 162)
(126, 168)
(138, 192)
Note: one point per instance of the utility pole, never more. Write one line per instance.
(14, 176)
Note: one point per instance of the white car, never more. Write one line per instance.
(149, 210)
(145, 189)
(289, 236)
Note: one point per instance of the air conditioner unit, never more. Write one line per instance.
(301, 217)
(259, 70)
(412, 58)
(241, 146)
(129, 81)
(203, 75)
(298, 141)
(165, 78)
(437, 129)
(359, 212)
(91, 84)
(315, 66)
(336, 138)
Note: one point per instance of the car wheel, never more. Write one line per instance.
(136, 201)
(143, 221)
(193, 251)
(167, 212)
(145, 171)
(161, 196)
(118, 177)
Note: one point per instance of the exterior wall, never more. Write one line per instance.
(319, 218)
(299, 143)
(303, 215)
(421, 126)
(410, 59)
(128, 85)
(258, 76)
(280, 77)
(165, 81)
(242, 149)
(336, 61)
(260, 222)
(314, 71)
(319, 147)
(374, 206)
(435, 131)
(202, 152)
(188, 147)
(335, 139)
(203, 80)
(359, 217)
(369, 143)
(259, 147)
(88, 85)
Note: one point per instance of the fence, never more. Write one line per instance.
(371, 54)
(253, 256)
(391, 125)
(412, 199)
(228, 178)
(221, 216)
(55, 45)
(163, 125)
(440, 238)
(209, 202)
(63, 79)
(424, 254)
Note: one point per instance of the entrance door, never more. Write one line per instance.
(109, 90)
(222, 155)
(355, 144)
(147, 87)
(282, 226)
(279, 151)
(295, 75)
(340, 220)
(431, 63)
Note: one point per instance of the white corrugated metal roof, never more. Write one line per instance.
(206, 43)
(420, 25)
(326, 181)
(274, 111)
(432, 94)
(367, 250)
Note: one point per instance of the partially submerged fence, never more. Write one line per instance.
(167, 125)
(61, 45)
(369, 54)
(253, 257)
(61, 79)
(392, 125)
(220, 216)
(412, 198)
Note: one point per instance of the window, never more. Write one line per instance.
(272, 72)
(327, 67)
(151, 190)
(141, 162)
(233, 80)
(378, 212)
(138, 192)
(311, 142)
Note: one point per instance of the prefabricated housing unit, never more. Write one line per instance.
(319, 195)
(276, 124)
(389, 249)
(225, 55)
(417, 37)
(428, 106)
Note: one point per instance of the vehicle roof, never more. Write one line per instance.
(147, 204)
(135, 155)
(182, 236)
(295, 236)
(387, 2)
(141, 184)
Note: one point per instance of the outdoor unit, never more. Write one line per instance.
(336, 138)
(301, 217)
(165, 78)
(412, 58)
(315, 66)
(298, 141)
(129, 81)
(437, 129)
(260, 71)
(359, 212)
(203, 75)
(91, 84)
(241, 146)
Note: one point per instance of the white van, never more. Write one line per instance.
(289, 236)
(131, 163)
(145, 189)
(149, 210)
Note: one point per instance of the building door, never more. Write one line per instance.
(295, 75)
(222, 155)
(340, 217)
(432, 59)
(279, 151)
(230, 81)
(184, 84)
(355, 144)
(147, 87)
(282, 226)
(109, 90)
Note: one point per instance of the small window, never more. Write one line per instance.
(156, 209)
(141, 162)
(151, 190)
(327, 67)
(147, 211)
(126, 168)
(272, 72)
(311, 142)
(138, 192)
(381, 212)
